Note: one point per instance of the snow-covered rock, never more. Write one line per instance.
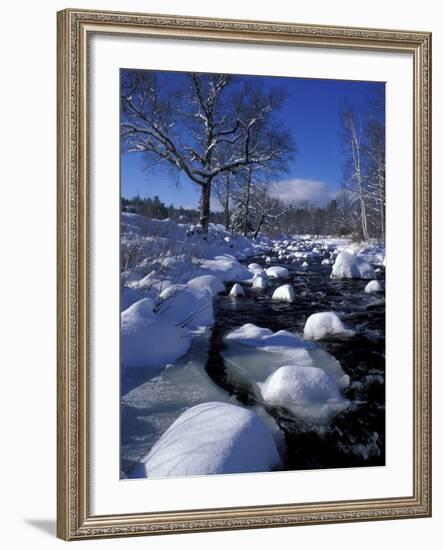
(225, 267)
(277, 272)
(292, 384)
(213, 284)
(149, 340)
(259, 282)
(186, 305)
(309, 392)
(373, 286)
(350, 266)
(237, 290)
(305, 264)
(325, 324)
(284, 293)
(213, 438)
(255, 268)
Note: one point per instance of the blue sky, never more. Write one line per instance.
(311, 112)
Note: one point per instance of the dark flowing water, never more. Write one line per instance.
(355, 437)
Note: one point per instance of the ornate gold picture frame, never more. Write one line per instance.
(75, 518)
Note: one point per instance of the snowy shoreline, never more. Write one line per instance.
(171, 276)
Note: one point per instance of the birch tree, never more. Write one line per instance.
(375, 188)
(356, 177)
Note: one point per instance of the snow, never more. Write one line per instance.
(373, 286)
(187, 305)
(256, 268)
(153, 399)
(214, 285)
(226, 268)
(253, 353)
(129, 296)
(237, 290)
(277, 272)
(372, 254)
(213, 438)
(284, 293)
(309, 392)
(250, 335)
(149, 340)
(305, 264)
(292, 384)
(142, 226)
(259, 282)
(171, 273)
(348, 265)
(325, 324)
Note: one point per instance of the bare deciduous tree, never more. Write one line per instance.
(375, 187)
(202, 125)
(353, 137)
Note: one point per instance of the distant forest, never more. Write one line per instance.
(302, 219)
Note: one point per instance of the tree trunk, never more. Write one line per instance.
(364, 219)
(227, 215)
(381, 187)
(247, 198)
(205, 205)
(257, 231)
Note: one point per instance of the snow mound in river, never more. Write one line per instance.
(213, 438)
(148, 339)
(237, 290)
(349, 266)
(284, 293)
(308, 392)
(277, 272)
(324, 325)
(259, 282)
(373, 286)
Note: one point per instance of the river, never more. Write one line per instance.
(356, 437)
(151, 401)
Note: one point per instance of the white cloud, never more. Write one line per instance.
(297, 190)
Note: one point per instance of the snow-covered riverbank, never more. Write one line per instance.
(171, 274)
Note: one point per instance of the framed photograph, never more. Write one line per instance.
(243, 274)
